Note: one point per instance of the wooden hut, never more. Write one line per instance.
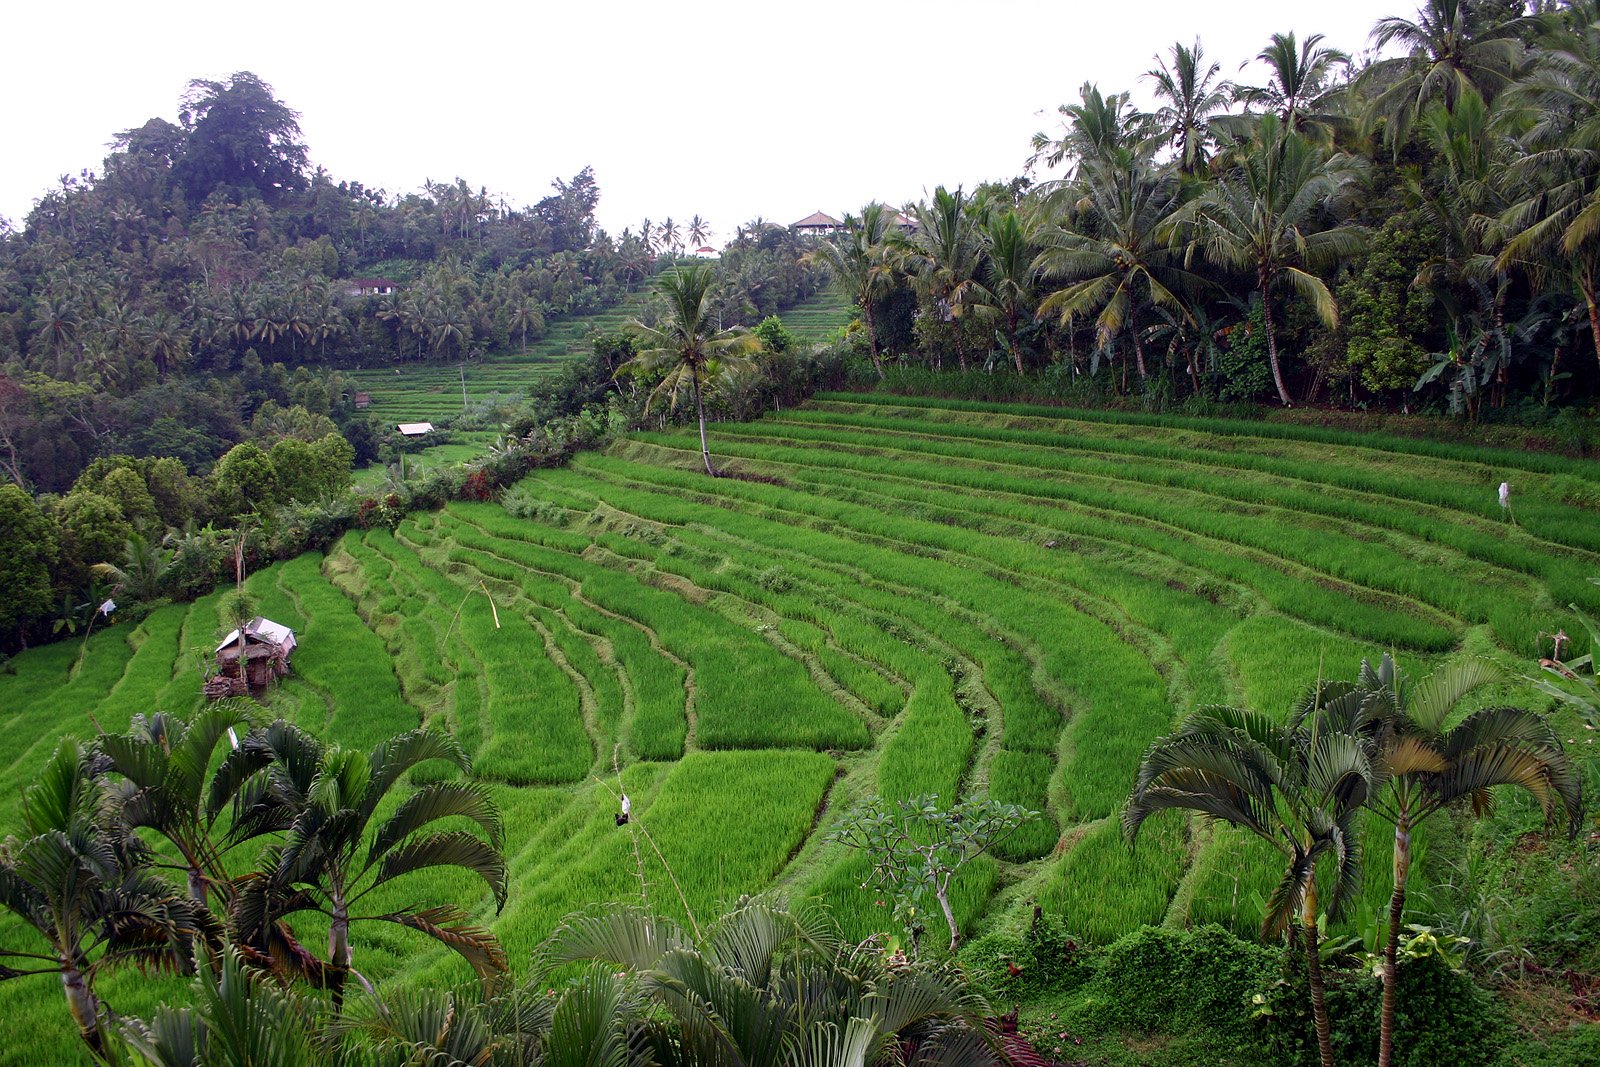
(266, 648)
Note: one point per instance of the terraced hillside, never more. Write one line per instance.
(413, 392)
(893, 597)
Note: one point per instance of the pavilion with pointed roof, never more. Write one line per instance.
(817, 224)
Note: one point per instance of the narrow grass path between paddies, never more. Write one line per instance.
(887, 596)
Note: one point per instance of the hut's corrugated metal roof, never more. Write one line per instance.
(260, 627)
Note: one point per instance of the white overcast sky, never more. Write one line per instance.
(731, 110)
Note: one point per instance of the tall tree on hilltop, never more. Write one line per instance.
(239, 137)
(944, 255)
(1554, 225)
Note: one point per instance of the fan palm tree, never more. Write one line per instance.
(335, 851)
(686, 346)
(83, 885)
(1266, 213)
(1115, 255)
(860, 263)
(1428, 766)
(1300, 790)
(161, 764)
(765, 988)
(1192, 95)
(235, 1015)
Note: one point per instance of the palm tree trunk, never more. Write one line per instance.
(700, 410)
(1138, 353)
(1391, 946)
(197, 886)
(1587, 283)
(872, 336)
(85, 1009)
(1272, 339)
(339, 950)
(1016, 352)
(1319, 1000)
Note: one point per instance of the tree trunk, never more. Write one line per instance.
(197, 886)
(1016, 351)
(872, 336)
(339, 950)
(949, 917)
(1586, 281)
(700, 410)
(1319, 1000)
(1138, 354)
(1391, 945)
(1272, 339)
(85, 1009)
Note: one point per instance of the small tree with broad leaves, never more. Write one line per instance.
(916, 846)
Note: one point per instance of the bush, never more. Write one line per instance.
(1044, 959)
(1172, 980)
(1441, 1016)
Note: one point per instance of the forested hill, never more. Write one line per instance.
(156, 307)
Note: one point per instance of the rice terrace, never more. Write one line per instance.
(1132, 603)
(888, 596)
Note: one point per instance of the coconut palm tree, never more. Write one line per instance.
(1007, 290)
(699, 231)
(335, 851)
(1267, 212)
(145, 563)
(860, 263)
(83, 884)
(1302, 91)
(1452, 47)
(1096, 127)
(944, 255)
(686, 347)
(1192, 95)
(1300, 790)
(1428, 766)
(1554, 223)
(1115, 255)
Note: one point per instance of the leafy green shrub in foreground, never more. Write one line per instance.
(1442, 1016)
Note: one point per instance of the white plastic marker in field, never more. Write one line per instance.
(1505, 501)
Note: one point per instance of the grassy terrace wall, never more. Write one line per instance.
(894, 596)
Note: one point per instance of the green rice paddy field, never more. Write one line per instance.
(914, 596)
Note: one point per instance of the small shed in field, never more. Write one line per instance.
(363, 400)
(414, 429)
(266, 648)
